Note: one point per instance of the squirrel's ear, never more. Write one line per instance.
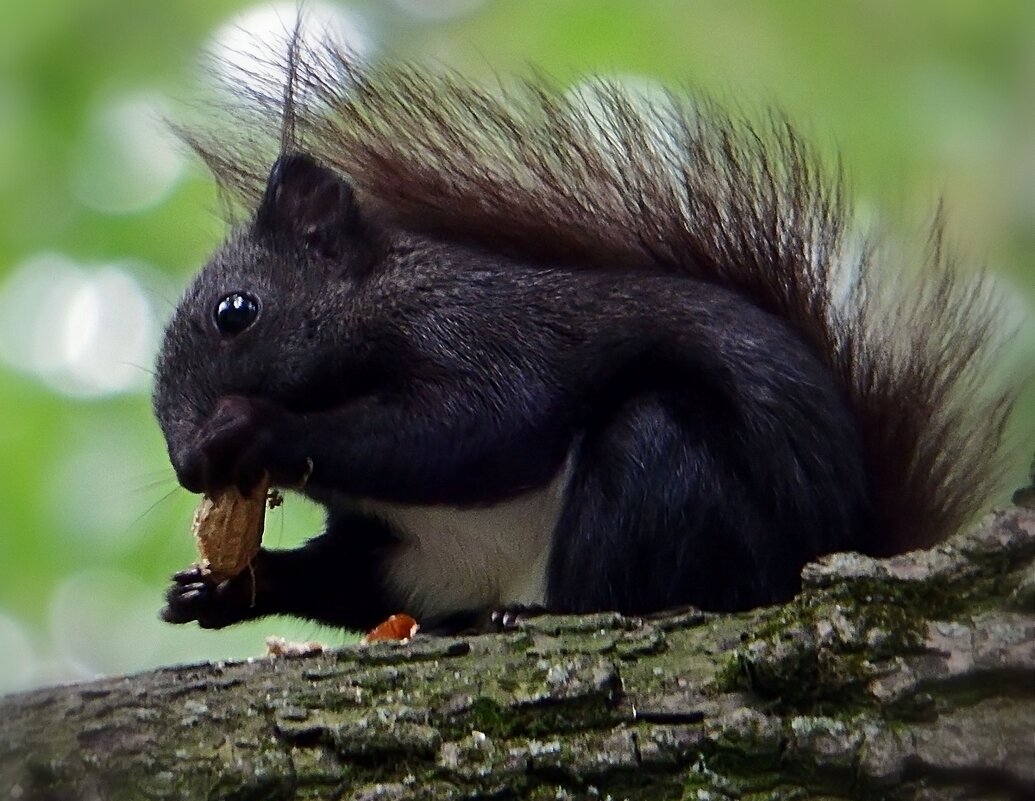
(308, 205)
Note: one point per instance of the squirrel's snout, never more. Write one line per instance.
(192, 470)
(224, 450)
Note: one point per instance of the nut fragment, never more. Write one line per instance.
(399, 628)
(279, 646)
(228, 530)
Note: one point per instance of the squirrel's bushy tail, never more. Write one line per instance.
(602, 177)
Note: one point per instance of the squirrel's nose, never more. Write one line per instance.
(192, 470)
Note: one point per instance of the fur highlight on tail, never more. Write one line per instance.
(605, 177)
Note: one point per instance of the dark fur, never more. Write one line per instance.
(460, 288)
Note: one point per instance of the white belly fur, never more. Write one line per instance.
(455, 559)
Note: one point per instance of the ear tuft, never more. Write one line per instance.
(307, 205)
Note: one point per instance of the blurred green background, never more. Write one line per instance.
(103, 217)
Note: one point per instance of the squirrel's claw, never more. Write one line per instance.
(509, 618)
(212, 604)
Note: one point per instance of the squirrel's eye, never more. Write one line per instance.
(236, 312)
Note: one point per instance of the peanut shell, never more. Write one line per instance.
(228, 530)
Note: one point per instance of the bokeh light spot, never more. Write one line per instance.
(129, 159)
(87, 607)
(85, 332)
(109, 486)
(253, 43)
(17, 661)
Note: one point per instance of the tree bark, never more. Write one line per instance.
(906, 678)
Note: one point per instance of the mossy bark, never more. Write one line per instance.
(906, 678)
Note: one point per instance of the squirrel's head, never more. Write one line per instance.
(267, 316)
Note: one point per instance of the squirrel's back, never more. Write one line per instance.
(605, 177)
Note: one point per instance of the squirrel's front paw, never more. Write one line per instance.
(195, 596)
(508, 618)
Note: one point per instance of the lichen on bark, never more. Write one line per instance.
(910, 678)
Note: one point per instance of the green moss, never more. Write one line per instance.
(817, 653)
(734, 774)
(733, 675)
(488, 717)
(546, 718)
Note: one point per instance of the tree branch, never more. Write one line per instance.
(911, 678)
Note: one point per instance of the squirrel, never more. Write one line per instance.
(565, 351)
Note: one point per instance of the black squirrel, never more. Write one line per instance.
(566, 351)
